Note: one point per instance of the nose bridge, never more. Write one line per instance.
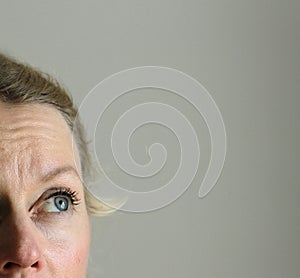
(20, 244)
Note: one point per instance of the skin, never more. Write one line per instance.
(36, 155)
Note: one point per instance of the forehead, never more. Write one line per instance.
(34, 138)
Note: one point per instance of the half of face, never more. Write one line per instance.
(44, 225)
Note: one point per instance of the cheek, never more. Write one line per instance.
(68, 254)
(70, 261)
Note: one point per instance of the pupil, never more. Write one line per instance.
(61, 203)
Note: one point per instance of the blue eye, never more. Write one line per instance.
(60, 200)
(56, 204)
(61, 203)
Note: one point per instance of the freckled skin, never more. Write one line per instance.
(34, 140)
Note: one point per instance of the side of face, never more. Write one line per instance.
(44, 225)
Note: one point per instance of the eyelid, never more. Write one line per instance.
(58, 191)
(65, 191)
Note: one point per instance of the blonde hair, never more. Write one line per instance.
(23, 84)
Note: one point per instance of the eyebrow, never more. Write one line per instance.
(59, 171)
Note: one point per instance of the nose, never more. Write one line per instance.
(20, 250)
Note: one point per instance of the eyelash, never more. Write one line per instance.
(72, 195)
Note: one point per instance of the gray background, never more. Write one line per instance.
(246, 53)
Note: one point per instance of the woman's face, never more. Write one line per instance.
(44, 225)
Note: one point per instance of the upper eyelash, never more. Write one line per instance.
(72, 195)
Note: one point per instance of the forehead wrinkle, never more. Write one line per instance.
(18, 162)
(33, 139)
(27, 129)
(30, 117)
